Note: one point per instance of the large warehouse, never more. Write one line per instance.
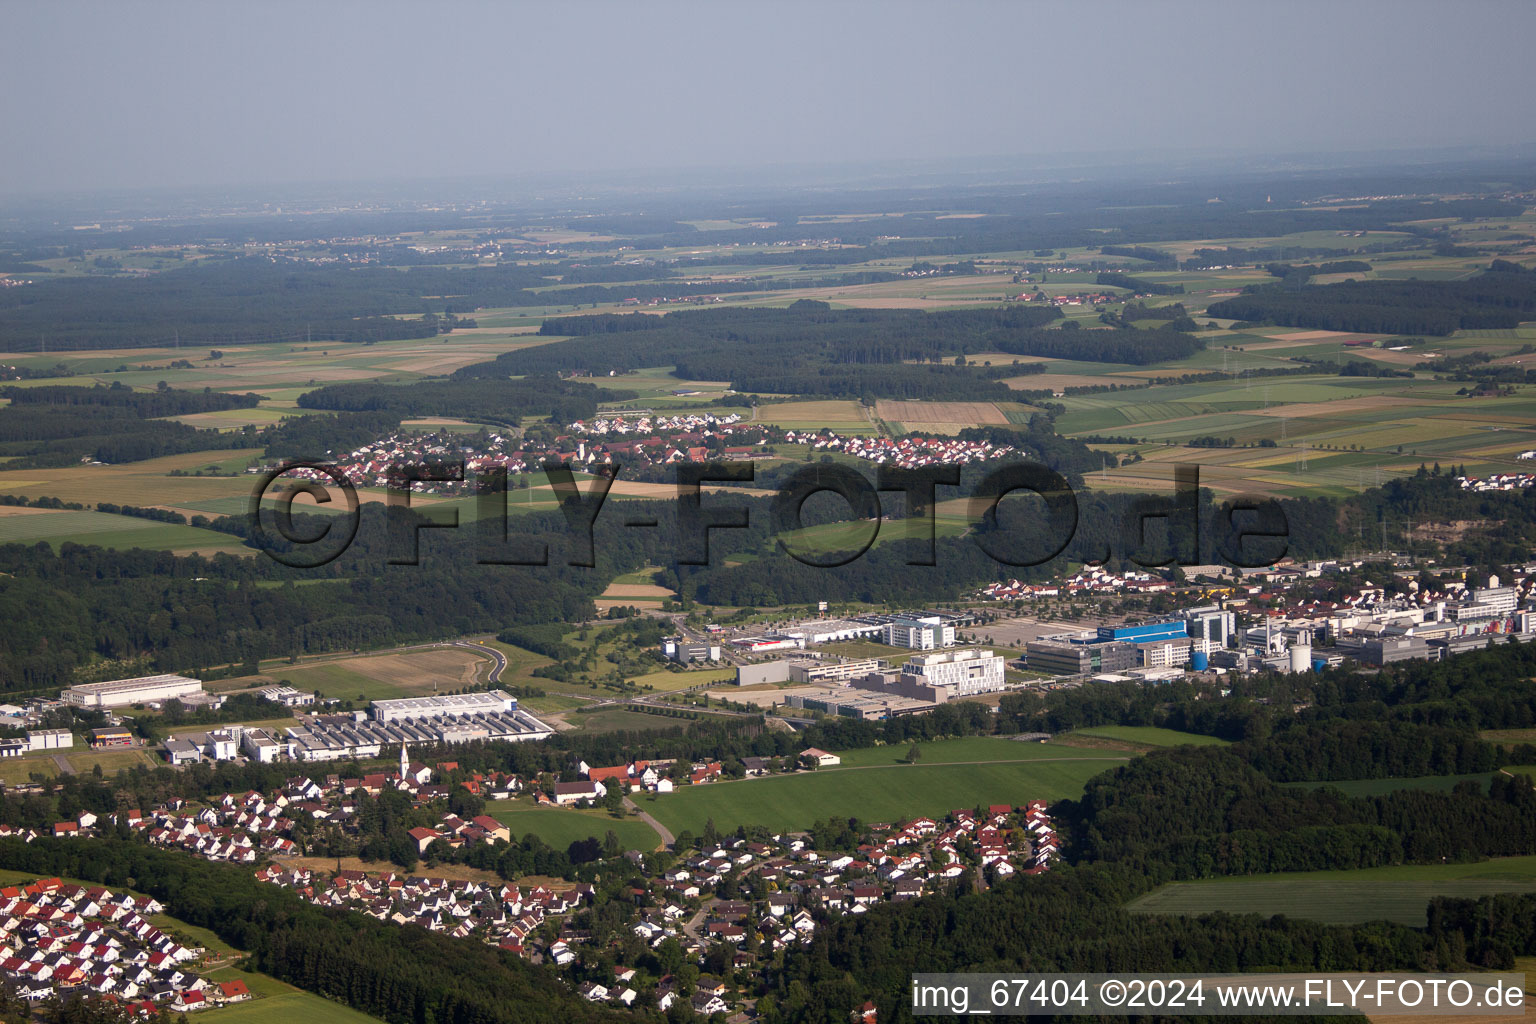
(119, 693)
(448, 706)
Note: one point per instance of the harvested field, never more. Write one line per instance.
(944, 417)
(636, 590)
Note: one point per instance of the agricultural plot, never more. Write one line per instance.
(967, 750)
(1401, 893)
(938, 417)
(1329, 435)
(384, 676)
(891, 793)
(844, 417)
(57, 527)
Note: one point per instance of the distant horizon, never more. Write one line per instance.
(677, 184)
(185, 95)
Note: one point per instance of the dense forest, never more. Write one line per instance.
(820, 351)
(488, 400)
(1495, 299)
(59, 425)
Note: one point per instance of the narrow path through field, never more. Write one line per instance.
(63, 763)
(667, 838)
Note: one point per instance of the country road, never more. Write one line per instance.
(667, 838)
(499, 660)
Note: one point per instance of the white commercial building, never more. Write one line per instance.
(1210, 628)
(923, 633)
(259, 745)
(827, 631)
(450, 706)
(122, 692)
(961, 672)
(287, 696)
(50, 739)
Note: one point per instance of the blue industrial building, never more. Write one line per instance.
(1147, 633)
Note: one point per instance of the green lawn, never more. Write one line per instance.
(1398, 893)
(1150, 736)
(286, 1008)
(109, 531)
(890, 793)
(968, 750)
(564, 826)
(619, 720)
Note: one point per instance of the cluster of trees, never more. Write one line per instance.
(164, 401)
(1139, 285)
(1495, 299)
(489, 399)
(1158, 259)
(60, 425)
(1292, 272)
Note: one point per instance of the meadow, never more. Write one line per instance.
(876, 793)
(1399, 893)
(1148, 736)
(59, 527)
(560, 827)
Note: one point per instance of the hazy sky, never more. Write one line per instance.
(102, 95)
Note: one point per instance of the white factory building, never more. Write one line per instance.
(962, 672)
(119, 693)
(923, 633)
(449, 706)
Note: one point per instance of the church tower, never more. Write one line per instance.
(405, 763)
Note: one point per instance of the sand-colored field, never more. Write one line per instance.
(1325, 336)
(22, 510)
(1360, 403)
(636, 590)
(136, 483)
(921, 415)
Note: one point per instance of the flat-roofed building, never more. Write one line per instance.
(50, 739)
(180, 751)
(112, 736)
(847, 702)
(923, 633)
(831, 670)
(287, 696)
(260, 745)
(448, 706)
(119, 693)
(962, 672)
(767, 672)
(1210, 627)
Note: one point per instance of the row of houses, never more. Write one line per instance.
(65, 939)
(502, 914)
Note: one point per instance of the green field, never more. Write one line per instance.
(563, 826)
(110, 531)
(891, 793)
(1344, 897)
(966, 750)
(618, 720)
(1149, 736)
